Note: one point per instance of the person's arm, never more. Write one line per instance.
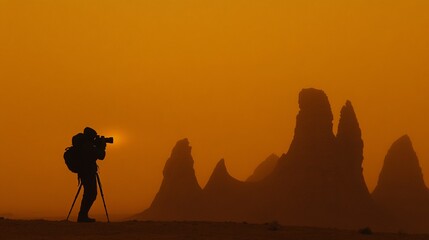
(100, 150)
(101, 154)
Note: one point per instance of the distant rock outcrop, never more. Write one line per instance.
(180, 195)
(264, 169)
(401, 189)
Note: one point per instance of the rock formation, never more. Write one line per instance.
(180, 196)
(264, 169)
(318, 182)
(401, 189)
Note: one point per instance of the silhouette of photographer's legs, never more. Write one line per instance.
(89, 183)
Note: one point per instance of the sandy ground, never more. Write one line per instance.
(41, 229)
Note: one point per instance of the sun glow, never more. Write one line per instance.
(118, 138)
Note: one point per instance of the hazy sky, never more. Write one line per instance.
(225, 74)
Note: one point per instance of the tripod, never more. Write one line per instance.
(102, 196)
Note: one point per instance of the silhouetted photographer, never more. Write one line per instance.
(81, 158)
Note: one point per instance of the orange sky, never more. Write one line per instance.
(225, 74)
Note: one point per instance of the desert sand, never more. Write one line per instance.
(42, 229)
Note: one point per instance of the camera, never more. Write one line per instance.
(104, 139)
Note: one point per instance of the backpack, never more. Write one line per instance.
(72, 156)
(72, 159)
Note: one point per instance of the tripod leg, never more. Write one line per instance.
(74, 201)
(102, 196)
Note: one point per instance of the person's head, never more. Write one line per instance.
(90, 133)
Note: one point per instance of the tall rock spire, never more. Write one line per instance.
(301, 185)
(349, 137)
(350, 152)
(312, 144)
(313, 123)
